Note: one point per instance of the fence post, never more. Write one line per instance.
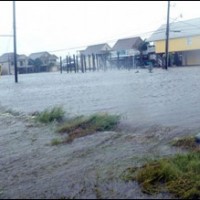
(85, 63)
(60, 64)
(82, 69)
(74, 61)
(77, 64)
(70, 68)
(89, 59)
(97, 64)
(67, 64)
(93, 62)
(118, 60)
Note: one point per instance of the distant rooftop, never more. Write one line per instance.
(97, 49)
(7, 57)
(38, 55)
(127, 43)
(179, 29)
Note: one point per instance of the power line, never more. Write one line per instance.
(157, 31)
(105, 41)
(113, 40)
(134, 35)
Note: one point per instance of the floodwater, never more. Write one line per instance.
(165, 97)
(155, 108)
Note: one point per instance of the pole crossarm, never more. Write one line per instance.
(6, 35)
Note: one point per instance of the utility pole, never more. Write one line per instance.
(167, 38)
(15, 42)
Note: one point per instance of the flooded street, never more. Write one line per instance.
(155, 108)
(165, 97)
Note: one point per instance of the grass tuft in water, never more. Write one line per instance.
(82, 126)
(180, 175)
(50, 115)
(187, 143)
(56, 142)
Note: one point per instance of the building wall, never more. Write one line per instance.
(54, 69)
(22, 63)
(179, 44)
(6, 68)
(191, 57)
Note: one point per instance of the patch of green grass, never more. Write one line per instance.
(56, 141)
(129, 174)
(50, 115)
(180, 175)
(187, 143)
(1, 191)
(82, 126)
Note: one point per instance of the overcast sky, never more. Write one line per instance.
(57, 25)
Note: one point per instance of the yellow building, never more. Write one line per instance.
(184, 42)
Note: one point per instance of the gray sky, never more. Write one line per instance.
(57, 25)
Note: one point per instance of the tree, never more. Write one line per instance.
(143, 47)
(37, 63)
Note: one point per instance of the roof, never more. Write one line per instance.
(127, 43)
(34, 56)
(54, 56)
(97, 49)
(177, 30)
(22, 57)
(6, 57)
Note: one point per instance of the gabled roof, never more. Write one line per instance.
(54, 56)
(22, 57)
(7, 57)
(34, 56)
(177, 30)
(127, 43)
(97, 49)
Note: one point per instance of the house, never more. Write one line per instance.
(96, 56)
(22, 64)
(184, 42)
(43, 61)
(124, 51)
(7, 63)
